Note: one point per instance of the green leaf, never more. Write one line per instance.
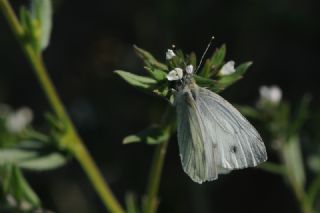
(157, 74)
(148, 59)
(44, 162)
(16, 185)
(14, 156)
(301, 116)
(32, 155)
(249, 112)
(292, 157)
(41, 11)
(151, 135)
(30, 29)
(178, 60)
(228, 80)
(138, 81)
(211, 65)
(192, 59)
(131, 203)
(162, 89)
(218, 57)
(208, 83)
(273, 168)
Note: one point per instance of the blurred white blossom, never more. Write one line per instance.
(228, 68)
(189, 69)
(170, 54)
(175, 74)
(272, 94)
(17, 121)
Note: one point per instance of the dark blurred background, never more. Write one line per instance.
(91, 39)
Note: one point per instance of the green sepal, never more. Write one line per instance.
(15, 184)
(31, 29)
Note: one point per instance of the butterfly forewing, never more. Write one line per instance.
(196, 154)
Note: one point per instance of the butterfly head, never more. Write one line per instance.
(181, 77)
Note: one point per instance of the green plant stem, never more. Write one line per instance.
(73, 142)
(154, 178)
(151, 201)
(314, 190)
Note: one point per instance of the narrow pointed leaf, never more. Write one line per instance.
(44, 162)
(136, 80)
(42, 12)
(208, 83)
(152, 135)
(211, 65)
(148, 59)
(228, 80)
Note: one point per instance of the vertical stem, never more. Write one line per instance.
(154, 178)
(313, 190)
(151, 201)
(72, 140)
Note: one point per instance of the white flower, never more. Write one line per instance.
(189, 69)
(228, 68)
(170, 54)
(17, 121)
(272, 94)
(175, 74)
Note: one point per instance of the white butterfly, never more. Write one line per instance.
(214, 138)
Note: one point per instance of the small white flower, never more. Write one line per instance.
(17, 121)
(228, 68)
(189, 69)
(272, 94)
(170, 54)
(175, 74)
(11, 200)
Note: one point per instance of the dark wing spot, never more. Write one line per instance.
(233, 149)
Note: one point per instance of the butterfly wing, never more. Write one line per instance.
(237, 143)
(196, 154)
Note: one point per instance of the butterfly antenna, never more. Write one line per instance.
(204, 53)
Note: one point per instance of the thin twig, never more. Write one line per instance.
(151, 201)
(73, 142)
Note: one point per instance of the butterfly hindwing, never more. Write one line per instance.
(237, 143)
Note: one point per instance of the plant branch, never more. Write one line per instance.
(72, 141)
(151, 202)
(154, 178)
(313, 190)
